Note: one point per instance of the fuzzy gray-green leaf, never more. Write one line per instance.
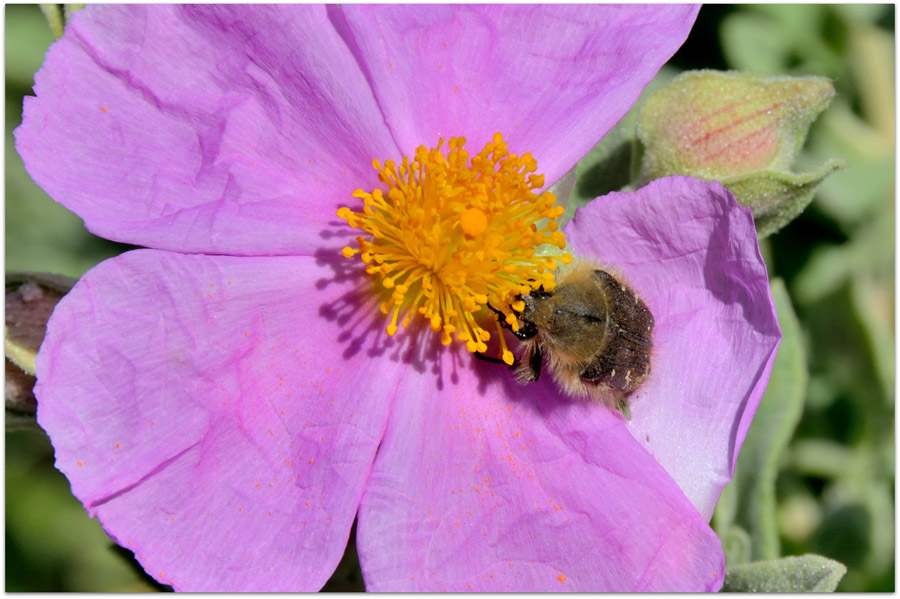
(801, 574)
(774, 423)
(737, 546)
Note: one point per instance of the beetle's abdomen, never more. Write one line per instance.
(623, 359)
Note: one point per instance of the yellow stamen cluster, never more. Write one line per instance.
(448, 237)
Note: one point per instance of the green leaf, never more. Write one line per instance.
(772, 428)
(862, 13)
(831, 266)
(737, 546)
(873, 303)
(726, 510)
(864, 189)
(820, 457)
(810, 34)
(750, 44)
(804, 574)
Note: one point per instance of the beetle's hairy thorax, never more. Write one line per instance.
(573, 320)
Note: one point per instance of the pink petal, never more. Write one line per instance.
(483, 484)
(217, 129)
(220, 415)
(553, 79)
(691, 252)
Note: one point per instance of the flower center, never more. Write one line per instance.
(455, 241)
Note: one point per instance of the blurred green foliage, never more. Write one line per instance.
(835, 482)
(817, 474)
(41, 235)
(51, 545)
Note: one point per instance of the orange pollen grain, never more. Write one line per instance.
(446, 236)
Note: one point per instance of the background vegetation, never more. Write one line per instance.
(817, 472)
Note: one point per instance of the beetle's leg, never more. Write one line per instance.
(526, 331)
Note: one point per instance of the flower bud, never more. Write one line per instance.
(30, 299)
(742, 129)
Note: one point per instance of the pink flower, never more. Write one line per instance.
(227, 402)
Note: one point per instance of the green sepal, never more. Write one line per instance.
(69, 10)
(55, 18)
(776, 198)
(803, 574)
(59, 15)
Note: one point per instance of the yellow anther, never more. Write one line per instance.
(555, 212)
(450, 234)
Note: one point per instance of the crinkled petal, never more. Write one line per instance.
(217, 129)
(553, 79)
(691, 252)
(487, 485)
(206, 410)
